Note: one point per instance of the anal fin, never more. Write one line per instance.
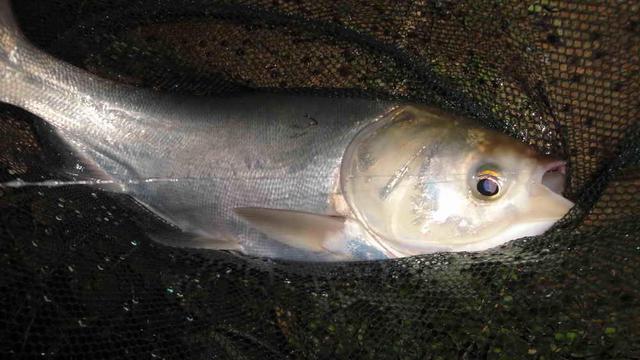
(184, 239)
(163, 230)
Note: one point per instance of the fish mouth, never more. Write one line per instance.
(554, 175)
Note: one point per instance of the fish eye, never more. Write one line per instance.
(488, 187)
(488, 184)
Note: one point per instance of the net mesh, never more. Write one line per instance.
(80, 278)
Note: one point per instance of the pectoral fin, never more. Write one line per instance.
(295, 228)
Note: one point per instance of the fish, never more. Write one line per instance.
(293, 177)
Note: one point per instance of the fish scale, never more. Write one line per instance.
(264, 173)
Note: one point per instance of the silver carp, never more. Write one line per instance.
(291, 177)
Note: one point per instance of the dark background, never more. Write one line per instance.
(78, 277)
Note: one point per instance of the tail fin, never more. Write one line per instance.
(11, 61)
(38, 82)
(6, 15)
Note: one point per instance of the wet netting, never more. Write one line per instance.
(79, 278)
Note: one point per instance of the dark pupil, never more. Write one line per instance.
(488, 187)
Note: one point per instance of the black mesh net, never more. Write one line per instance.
(79, 278)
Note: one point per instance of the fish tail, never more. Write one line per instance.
(36, 81)
(12, 50)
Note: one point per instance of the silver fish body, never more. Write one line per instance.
(262, 174)
(195, 162)
(191, 160)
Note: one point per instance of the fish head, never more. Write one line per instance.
(422, 181)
